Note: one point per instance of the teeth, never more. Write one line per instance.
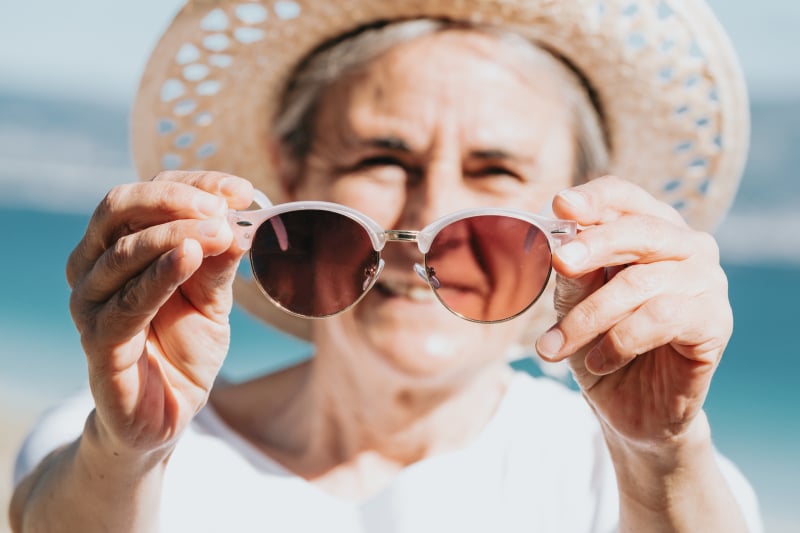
(420, 294)
(412, 292)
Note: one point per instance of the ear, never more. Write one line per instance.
(285, 168)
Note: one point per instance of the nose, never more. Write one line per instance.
(438, 190)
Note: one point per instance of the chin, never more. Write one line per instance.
(425, 340)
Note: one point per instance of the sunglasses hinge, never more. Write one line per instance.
(401, 235)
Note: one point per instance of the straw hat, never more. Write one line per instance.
(664, 73)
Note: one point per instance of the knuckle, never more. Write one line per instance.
(163, 175)
(720, 279)
(174, 176)
(117, 258)
(112, 200)
(638, 279)
(79, 310)
(662, 310)
(618, 341)
(584, 315)
(708, 245)
(75, 264)
(129, 299)
(671, 214)
(655, 234)
(209, 177)
(207, 180)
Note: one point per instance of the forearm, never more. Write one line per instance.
(87, 486)
(675, 487)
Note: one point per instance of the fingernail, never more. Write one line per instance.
(573, 253)
(595, 361)
(210, 227)
(210, 205)
(550, 344)
(574, 198)
(230, 186)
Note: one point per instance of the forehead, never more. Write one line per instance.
(486, 87)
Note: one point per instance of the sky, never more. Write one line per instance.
(97, 48)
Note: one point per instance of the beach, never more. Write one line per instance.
(14, 428)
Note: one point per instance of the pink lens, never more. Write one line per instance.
(489, 268)
(313, 263)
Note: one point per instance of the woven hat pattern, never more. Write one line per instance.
(665, 76)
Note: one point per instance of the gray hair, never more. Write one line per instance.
(294, 124)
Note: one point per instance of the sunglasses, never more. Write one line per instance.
(318, 259)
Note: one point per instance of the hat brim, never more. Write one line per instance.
(664, 74)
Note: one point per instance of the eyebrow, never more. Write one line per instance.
(492, 154)
(389, 143)
(489, 154)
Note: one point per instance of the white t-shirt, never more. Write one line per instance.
(540, 465)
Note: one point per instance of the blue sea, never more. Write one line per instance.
(57, 159)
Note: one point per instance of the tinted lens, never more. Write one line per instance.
(313, 263)
(489, 267)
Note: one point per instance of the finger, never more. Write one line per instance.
(210, 290)
(569, 293)
(631, 288)
(132, 309)
(169, 196)
(606, 199)
(127, 209)
(238, 192)
(660, 321)
(632, 239)
(132, 254)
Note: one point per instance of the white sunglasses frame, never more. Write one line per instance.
(244, 225)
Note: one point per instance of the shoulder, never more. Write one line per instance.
(59, 425)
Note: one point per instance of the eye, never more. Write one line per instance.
(384, 169)
(379, 161)
(493, 171)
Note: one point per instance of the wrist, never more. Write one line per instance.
(653, 471)
(673, 484)
(88, 486)
(99, 451)
(666, 452)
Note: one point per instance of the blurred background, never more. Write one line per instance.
(68, 72)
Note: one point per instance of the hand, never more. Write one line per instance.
(151, 282)
(644, 307)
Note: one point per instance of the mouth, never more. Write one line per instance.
(412, 291)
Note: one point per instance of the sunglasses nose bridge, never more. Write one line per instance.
(401, 235)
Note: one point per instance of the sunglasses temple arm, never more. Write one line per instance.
(562, 231)
(244, 223)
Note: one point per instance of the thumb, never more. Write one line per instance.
(210, 290)
(569, 293)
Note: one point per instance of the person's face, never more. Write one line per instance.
(439, 124)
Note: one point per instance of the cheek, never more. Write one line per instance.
(381, 202)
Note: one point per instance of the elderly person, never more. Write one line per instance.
(450, 126)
